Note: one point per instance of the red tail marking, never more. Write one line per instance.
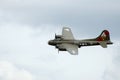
(99, 39)
(106, 32)
(103, 36)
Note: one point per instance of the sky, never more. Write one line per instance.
(27, 25)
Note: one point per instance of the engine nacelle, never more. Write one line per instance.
(61, 48)
(58, 36)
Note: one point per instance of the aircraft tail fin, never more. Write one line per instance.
(104, 36)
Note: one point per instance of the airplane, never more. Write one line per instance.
(67, 42)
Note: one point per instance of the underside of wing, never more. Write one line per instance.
(72, 49)
(67, 33)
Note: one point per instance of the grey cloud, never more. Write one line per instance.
(33, 54)
(61, 12)
(26, 26)
(85, 16)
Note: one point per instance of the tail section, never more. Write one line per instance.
(104, 36)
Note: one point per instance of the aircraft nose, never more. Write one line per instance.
(50, 42)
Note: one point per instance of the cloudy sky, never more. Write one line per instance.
(27, 25)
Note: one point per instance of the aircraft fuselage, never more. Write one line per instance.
(80, 43)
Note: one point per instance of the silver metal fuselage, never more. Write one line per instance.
(80, 43)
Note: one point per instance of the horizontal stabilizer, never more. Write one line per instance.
(103, 44)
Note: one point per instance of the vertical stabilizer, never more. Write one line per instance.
(104, 36)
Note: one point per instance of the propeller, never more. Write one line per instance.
(58, 51)
(55, 36)
(56, 47)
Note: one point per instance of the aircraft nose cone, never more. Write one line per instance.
(49, 42)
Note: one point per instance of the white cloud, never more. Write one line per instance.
(27, 48)
(26, 45)
(10, 72)
(112, 71)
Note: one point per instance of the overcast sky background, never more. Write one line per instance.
(27, 25)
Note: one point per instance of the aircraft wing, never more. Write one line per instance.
(71, 48)
(67, 33)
